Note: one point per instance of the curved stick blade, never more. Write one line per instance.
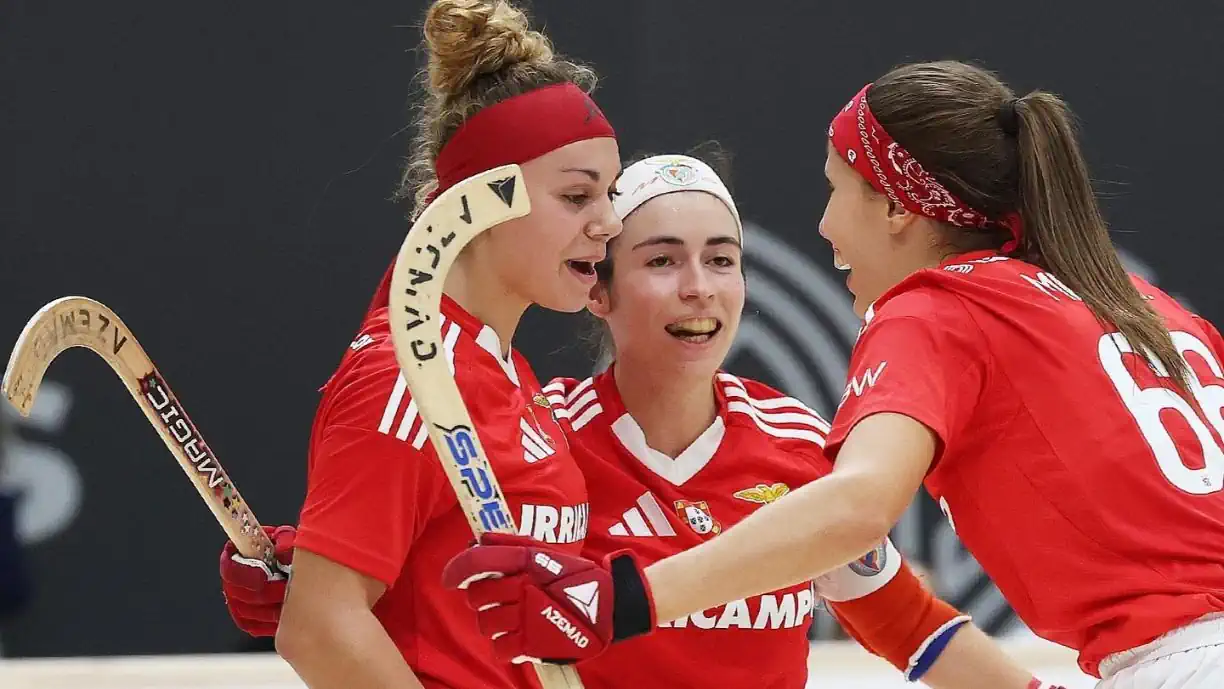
(82, 322)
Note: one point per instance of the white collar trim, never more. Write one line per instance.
(491, 343)
(676, 471)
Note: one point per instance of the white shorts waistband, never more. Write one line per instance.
(1205, 631)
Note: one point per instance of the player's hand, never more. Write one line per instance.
(254, 592)
(537, 603)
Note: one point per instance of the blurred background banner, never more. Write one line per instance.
(218, 174)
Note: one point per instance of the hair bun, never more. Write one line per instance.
(470, 38)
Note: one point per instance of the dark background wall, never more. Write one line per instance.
(218, 172)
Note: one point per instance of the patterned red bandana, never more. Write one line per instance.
(860, 140)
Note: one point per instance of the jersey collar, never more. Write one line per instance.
(956, 258)
(626, 430)
(485, 336)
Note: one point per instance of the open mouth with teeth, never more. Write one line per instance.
(695, 330)
(581, 267)
(839, 262)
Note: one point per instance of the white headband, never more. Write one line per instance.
(659, 175)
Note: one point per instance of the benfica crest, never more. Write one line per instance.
(763, 494)
(697, 515)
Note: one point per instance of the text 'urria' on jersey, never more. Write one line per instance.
(551, 524)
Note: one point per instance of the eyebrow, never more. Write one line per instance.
(676, 241)
(593, 174)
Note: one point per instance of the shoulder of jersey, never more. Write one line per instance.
(925, 291)
(575, 402)
(957, 273)
(783, 420)
(368, 390)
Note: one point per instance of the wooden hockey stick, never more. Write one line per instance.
(435, 240)
(82, 322)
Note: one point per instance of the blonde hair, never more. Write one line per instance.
(480, 53)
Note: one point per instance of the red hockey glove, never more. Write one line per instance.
(254, 593)
(537, 603)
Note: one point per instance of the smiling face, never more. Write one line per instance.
(677, 287)
(547, 257)
(872, 240)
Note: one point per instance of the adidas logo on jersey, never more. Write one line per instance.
(552, 524)
(536, 444)
(647, 519)
(770, 611)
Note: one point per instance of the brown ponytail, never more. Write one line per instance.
(1066, 231)
(954, 119)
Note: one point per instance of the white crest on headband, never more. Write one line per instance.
(659, 175)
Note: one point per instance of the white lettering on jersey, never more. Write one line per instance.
(361, 342)
(772, 611)
(858, 385)
(550, 524)
(1050, 286)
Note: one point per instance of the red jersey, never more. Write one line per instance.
(378, 501)
(761, 445)
(1089, 490)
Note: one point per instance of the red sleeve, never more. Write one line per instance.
(368, 493)
(899, 621)
(923, 357)
(1213, 337)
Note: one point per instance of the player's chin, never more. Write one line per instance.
(564, 295)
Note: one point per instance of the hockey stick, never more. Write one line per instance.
(435, 240)
(82, 322)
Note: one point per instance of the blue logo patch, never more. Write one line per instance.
(872, 563)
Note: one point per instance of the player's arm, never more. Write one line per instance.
(367, 496)
(819, 527)
(917, 381)
(916, 375)
(894, 616)
(328, 632)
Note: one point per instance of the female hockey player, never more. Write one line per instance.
(674, 450)
(1066, 416)
(379, 520)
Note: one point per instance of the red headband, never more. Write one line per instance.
(890, 169)
(516, 130)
